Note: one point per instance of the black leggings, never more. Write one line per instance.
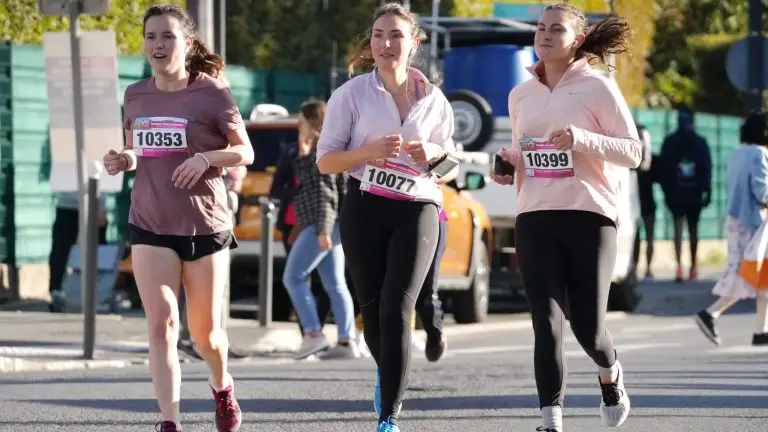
(566, 259)
(389, 246)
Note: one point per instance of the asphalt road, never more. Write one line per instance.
(677, 380)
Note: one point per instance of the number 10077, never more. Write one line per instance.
(390, 180)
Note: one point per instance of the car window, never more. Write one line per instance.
(269, 144)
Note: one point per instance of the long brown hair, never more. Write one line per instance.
(200, 58)
(313, 111)
(609, 36)
(362, 57)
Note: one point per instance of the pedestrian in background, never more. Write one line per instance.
(747, 198)
(686, 179)
(316, 243)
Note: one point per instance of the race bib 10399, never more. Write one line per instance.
(159, 136)
(542, 159)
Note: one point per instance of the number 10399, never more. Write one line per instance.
(547, 159)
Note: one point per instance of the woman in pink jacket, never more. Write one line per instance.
(575, 139)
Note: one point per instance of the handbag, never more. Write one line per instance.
(754, 263)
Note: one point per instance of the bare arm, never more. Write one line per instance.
(239, 152)
(338, 161)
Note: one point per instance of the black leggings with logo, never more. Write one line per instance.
(566, 258)
(389, 246)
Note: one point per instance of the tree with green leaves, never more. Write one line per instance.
(21, 22)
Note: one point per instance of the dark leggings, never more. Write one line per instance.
(428, 305)
(389, 246)
(690, 215)
(566, 259)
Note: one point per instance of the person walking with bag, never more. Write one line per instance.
(575, 140)
(747, 186)
(391, 130)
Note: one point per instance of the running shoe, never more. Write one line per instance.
(228, 414)
(311, 345)
(387, 426)
(435, 348)
(760, 339)
(706, 323)
(167, 426)
(614, 406)
(543, 429)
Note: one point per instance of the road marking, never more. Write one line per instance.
(740, 349)
(489, 349)
(623, 348)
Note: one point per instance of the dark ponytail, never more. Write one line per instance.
(609, 36)
(200, 58)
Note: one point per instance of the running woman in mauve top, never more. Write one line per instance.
(182, 127)
(387, 128)
(575, 140)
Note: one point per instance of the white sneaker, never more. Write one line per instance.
(614, 404)
(311, 345)
(340, 352)
(362, 346)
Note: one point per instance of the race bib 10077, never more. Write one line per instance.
(394, 180)
(542, 159)
(159, 136)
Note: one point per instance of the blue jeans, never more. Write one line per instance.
(304, 257)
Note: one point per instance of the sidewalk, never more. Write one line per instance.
(42, 341)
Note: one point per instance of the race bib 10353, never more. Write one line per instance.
(159, 136)
(395, 180)
(542, 159)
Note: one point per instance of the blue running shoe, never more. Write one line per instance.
(387, 426)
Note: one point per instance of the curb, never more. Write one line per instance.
(15, 364)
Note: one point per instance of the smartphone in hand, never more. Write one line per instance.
(502, 167)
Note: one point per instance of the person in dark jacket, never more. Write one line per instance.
(686, 179)
(645, 179)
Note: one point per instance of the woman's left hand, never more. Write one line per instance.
(325, 242)
(562, 139)
(188, 173)
(422, 151)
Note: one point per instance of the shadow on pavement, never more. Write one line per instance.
(285, 406)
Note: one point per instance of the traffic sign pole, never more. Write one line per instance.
(77, 97)
(755, 55)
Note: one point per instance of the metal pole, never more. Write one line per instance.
(77, 98)
(89, 271)
(433, 41)
(756, 54)
(221, 30)
(266, 265)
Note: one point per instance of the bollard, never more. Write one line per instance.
(90, 269)
(266, 264)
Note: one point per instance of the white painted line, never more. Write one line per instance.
(740, 349)
(624, 348)
(488, 349)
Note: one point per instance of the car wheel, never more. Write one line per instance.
(473, 119)
(471, 306)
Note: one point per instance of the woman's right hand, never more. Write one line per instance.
(115, 162)
(502, 179)
(385, 147)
